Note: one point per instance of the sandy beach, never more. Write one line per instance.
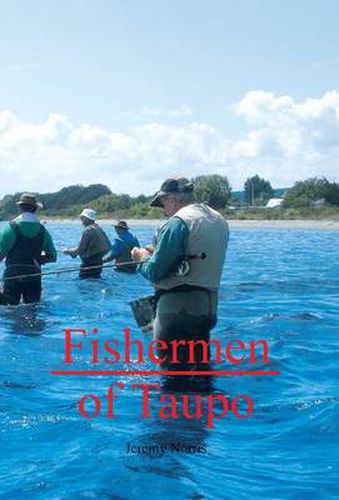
(319, 225)
(322, 225)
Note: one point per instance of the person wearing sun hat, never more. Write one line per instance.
(185, 267)
(93, 245)
(25, 244)
(122, 247)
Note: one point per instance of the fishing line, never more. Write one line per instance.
(200, 255)
(71, 270)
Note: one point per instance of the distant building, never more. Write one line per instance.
(274, 203)
(318, 203)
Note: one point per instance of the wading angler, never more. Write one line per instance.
(185, 266)
(26, 245)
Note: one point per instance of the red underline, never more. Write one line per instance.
(148, 373)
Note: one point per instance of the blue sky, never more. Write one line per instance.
(128, 92)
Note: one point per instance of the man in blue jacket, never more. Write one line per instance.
(122, 247)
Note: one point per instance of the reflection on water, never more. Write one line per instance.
(25, 319)
(279, 286)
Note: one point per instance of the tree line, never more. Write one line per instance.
(214, 189)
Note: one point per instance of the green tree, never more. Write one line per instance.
(73, 195)
(331, 194)
(214, 189)
(256, 189)
(67, 200)
(112, 203)
(303, 193)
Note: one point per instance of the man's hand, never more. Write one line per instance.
(70, 251)
(150, 249)
(139, 254)
(44, 259)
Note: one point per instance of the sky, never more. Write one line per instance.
(130, 92)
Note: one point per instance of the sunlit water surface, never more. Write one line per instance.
(281, 286)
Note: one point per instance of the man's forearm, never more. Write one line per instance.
(47, 258)
(108, 258)
(73, 252)
(170, 250)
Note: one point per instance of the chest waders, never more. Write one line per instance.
(95, 261)
(23, 259)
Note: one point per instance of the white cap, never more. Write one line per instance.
(89, 214)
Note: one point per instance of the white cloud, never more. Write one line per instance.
(150, 113)
(290, 140)
(286, 141)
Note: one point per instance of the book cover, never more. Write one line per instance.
(121, 95)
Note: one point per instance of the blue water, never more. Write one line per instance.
(282, 286)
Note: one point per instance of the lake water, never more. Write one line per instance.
(282, 286)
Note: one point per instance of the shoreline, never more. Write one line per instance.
(297, 224)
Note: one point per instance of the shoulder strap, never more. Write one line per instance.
(42, 230)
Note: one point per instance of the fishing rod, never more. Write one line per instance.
(200, 255)
(69, 270)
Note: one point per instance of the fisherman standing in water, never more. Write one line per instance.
(185, 267)
(26, 244)
(122, 247)
(94, 244)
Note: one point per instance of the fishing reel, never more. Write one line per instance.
(184, 267)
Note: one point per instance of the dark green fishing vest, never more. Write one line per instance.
(25, 250)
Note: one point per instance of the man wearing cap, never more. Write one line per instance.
(185, 267)
(25, 244)
(94, 244)
(122, 247)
